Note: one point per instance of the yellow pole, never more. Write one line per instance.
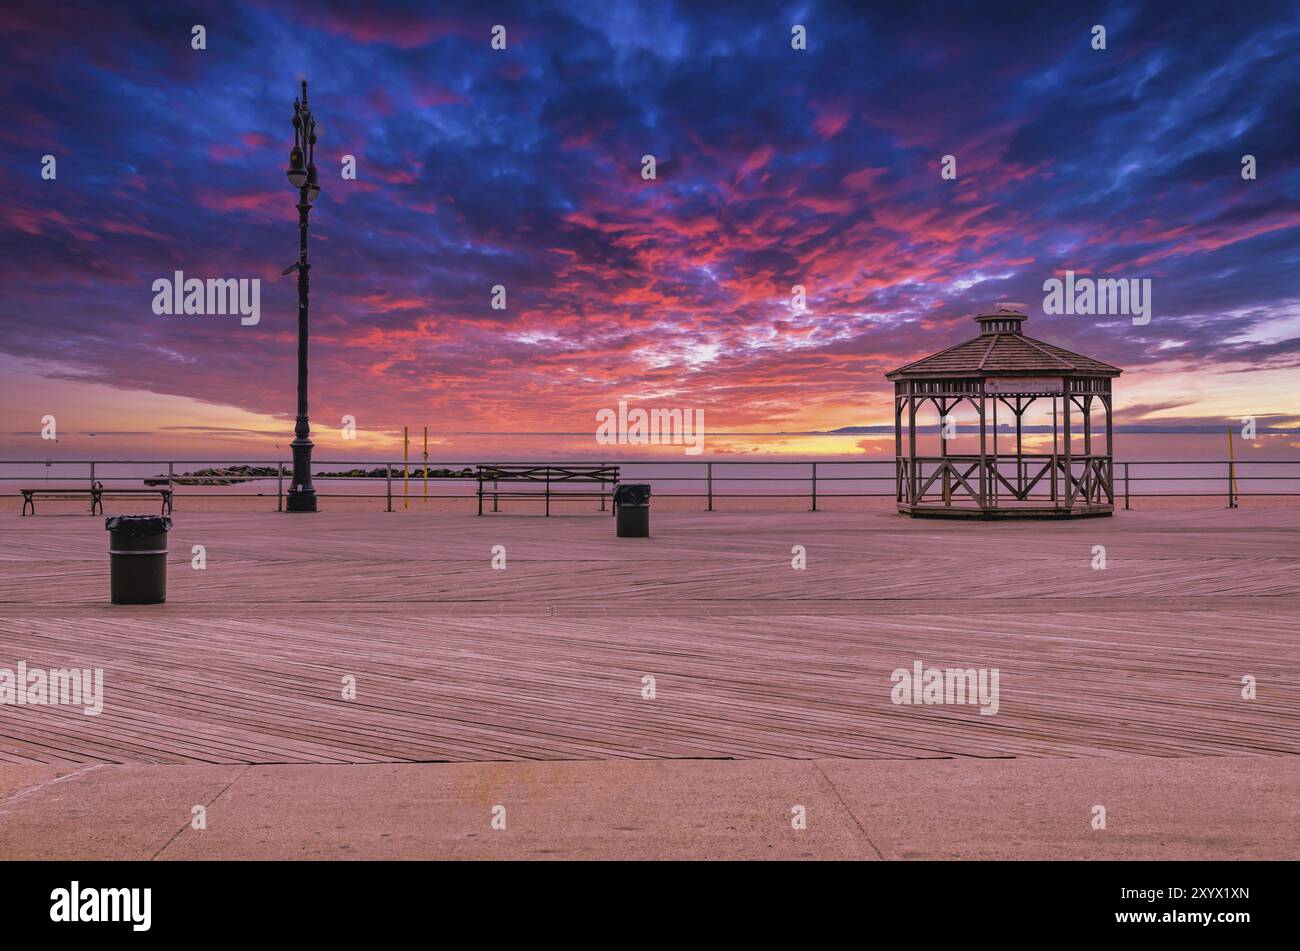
(1232, 470)
(426, 463)
(406, 482)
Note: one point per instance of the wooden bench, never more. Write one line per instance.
(96, 495)
(535, 482)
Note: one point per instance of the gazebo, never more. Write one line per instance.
(1003, 366)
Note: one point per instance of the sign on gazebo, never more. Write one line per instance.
(1022, 384)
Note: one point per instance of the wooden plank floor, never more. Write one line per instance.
(454, 660)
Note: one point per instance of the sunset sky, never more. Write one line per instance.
(522, 167)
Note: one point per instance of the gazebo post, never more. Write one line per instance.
(1020, 462)
(1069, 471)
(911, 442)
(1110, 451)
(1087, 447)
(984, 494)
(994, 480)
(942, 406)
(1055, 465)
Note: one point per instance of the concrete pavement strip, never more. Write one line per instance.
(1156, 808)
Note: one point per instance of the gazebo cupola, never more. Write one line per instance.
(1071, 476)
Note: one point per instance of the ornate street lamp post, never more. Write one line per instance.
(302, 176)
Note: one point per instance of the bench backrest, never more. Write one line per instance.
(601, 474)
(79, 491)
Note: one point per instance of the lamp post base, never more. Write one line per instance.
(304, 501)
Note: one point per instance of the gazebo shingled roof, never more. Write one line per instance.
(1003, 351)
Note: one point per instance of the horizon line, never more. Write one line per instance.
(883, 429)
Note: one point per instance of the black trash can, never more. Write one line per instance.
(632, 510)
(137, 550)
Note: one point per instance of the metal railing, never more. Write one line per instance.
(711, 480)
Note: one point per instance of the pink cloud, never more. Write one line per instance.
(830, 119)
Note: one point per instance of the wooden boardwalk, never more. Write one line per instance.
(545, 660)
